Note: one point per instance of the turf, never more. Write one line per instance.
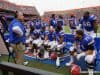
(35, 64)
(47, 67)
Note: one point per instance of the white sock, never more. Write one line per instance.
(71, 59)
(90, 71)
(58, 61)
(34, 52)
(46, 54)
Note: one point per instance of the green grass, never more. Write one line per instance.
(36, 64)
(98, 28)
(47, 67)
(67, 29)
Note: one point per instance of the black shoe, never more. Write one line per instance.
(57, 67)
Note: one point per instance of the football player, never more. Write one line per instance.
(60, 21)
(72, 23)
(85, 46)
(88, 24)
(37, 42)
(60, 45)
(53, 21)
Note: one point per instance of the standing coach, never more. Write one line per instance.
(17, 37)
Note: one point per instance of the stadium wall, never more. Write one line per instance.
(77, 12)
(8, 9)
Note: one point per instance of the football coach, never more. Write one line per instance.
(17, 37)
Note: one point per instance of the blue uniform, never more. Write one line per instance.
(44, 24)
(87, 24)
(52, 35)
(43, 34)
(13, 38)
(59, 34)
(37, 24)
(86, 42)
(32, 24)
(35, 34)
(53, 22)
(72, 23)
(60, 22)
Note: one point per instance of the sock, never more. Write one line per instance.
(90, 71)
(46, 54)
(71, 59)
(58, 61)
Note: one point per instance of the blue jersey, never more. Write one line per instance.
(60, 22)
(37, 24)
(31, 24)
(52, 36)
(59, 35)
(43, 34)
(86, 42)
(35, 34)
(53, 22)
(44, 24)
(87, 24)
(72, 22)
(13, 38)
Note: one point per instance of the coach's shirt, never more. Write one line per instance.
(87, 24)
(13, 37)
(86, 43)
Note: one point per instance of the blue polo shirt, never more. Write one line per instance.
(13, 38)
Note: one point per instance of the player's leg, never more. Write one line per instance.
(46, 52)
(59, 53)
(90, 60)
(72, 54)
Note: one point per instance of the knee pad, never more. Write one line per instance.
(90, 61)
(91, 65)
